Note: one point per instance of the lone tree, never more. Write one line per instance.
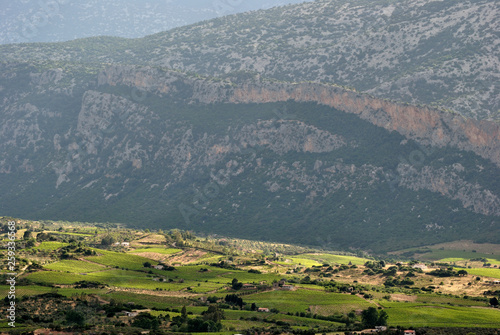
(494, 302)
(74, 317)
(236, 285)
(108, 240)
(27, 235)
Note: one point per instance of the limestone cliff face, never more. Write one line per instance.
(428, 126)
(448, 182)
(425, 125)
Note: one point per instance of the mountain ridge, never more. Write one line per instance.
(442, 54)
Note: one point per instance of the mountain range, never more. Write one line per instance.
(27, 21)
(368, 125)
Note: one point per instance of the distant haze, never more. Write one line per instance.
(25, 21)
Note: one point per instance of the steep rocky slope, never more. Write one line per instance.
(244, 157)
(427, 126)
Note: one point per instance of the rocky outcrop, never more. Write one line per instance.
(423, 124)
(447, 181)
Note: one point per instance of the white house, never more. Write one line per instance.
(131, 314)
(419, 266)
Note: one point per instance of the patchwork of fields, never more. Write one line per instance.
(310, 290)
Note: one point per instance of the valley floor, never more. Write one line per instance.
(82, 278)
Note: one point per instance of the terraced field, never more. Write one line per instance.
(119, 260)
(50, 246)
(335, 259)
(491, 273)
(315, 301)
(127, 281)
(74, 266)
(163, 251)
(417, 315)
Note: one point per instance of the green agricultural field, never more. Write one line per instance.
(234, 318)
(208, 259)
(74, 266)
(301, 321)
(450, 256)
(219, 275)
(144, 281)
(492, 273)
(50, 246)
(318, 302)
(125, 278)
(120, 260)
(335, 259)
(68, 233)
(31, 290)
(147, 300)
(302, 261)
(441, 299)
(56, 277)
(163, 251)
(442, 316)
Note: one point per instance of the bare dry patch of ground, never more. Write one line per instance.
(186, 257)
(152, 255)
(404, 297)
(177, 294)
(150, 239)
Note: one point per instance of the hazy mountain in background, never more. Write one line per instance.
(439, 53)
(25, 21)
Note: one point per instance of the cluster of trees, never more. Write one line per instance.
(108, 240)
(333, 286)
(70, 251)
(233, 299)
(165, 266)
(236, 285)
(372, 317)
(449, 272)
(390, 282)
(210, 321)
(146, 321)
